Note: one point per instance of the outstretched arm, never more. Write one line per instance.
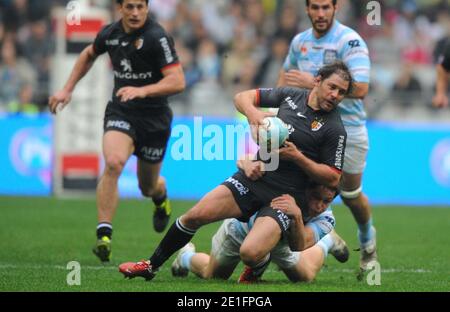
(80, 69)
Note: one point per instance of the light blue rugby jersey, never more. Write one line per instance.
(321, 225)
(308, 54)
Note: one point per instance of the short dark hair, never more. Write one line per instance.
(339, 68)
(334, 2)
(121, 2)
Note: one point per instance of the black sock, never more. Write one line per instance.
(104, 229)
(176, 237)
(159, 200)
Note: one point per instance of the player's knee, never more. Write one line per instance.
(194, 219)
(114, 164)
(351, 195)
(146, 189)
(250, 256)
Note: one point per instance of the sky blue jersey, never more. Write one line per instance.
(309, 54)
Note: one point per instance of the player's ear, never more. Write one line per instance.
(317, 80)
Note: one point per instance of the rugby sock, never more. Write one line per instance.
(365, 232)
(326, 243)
(186, 259)
(104, 229)
(176, 237)
(159, 200)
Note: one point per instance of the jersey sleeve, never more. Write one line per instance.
(290, 61)
(333, 147)
(355, 54)
(100, 41)
(444, 59)
(163, 51)
(322, 224)
(271, 97)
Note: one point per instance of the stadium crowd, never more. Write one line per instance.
(227, 46)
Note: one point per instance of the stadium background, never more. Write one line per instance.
(225, 46)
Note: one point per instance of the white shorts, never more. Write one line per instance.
(228, 240)
(356, 150)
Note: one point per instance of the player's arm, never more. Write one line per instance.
(80, 69)
(443, 73)
(320, 172)
(359, 90)
(295, 78)
(300, 237)
(173, 82)
(440, 99)
(248, 103)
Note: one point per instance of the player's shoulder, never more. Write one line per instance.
(108, 29)
(346, 33)
(302, 37)
(154, 30)
(293, 91)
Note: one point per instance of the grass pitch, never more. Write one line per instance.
(40, 236)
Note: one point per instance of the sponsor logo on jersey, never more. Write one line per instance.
(139, 43)
(291, 103)
(303, 50)
(238, 185)
(112, 42)
(126, 64)
(284, 219)
(301, 115)
(167, 53)
(317, 124)
(120, 124)
(339, 152)
(127, 72)
(152, 153)
(329, 56)
(124, 43)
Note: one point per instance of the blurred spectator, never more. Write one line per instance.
(24, 104)
(37, 49)
(268, 72)
(407, 88)
(14, 73)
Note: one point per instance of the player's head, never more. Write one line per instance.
(134, 13)
(321, 13)
(319, 197)
(333, 82)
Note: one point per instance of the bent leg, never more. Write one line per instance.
(308, 265)
(261, 239)
(356, 200)
(151, 183)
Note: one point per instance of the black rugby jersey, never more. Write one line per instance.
(138, 59)
(319, 135)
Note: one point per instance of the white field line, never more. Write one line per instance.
(5, 266)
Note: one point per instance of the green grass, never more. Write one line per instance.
(39, 236)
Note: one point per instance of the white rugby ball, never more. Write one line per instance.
(273, 133)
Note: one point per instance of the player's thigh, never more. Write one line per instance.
(261, 239)
(357, 147)
(117, 147)
(218, 204)
(147, 172)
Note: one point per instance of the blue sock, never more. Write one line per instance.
(365, 232)
(326, 243)
(186, 259)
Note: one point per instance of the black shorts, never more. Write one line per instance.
(250, 204)
(150, 133)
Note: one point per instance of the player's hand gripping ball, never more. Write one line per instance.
(272, 134)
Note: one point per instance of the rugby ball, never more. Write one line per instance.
(272, 133)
